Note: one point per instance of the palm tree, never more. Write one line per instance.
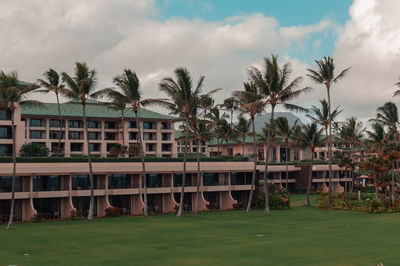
(13, 94)
(310, 137)
(351, 133)
(377, 137)
(242, 128)
(285, 131)
(274, 86)
(81, 87)
(392, 154)
(325, 74)
(183, 98)
(250, 103)
(129, 93)
(53, 83)
(216, 117)
(321, 115)
(231, 104)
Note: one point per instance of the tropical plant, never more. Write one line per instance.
(377, 165)
(216, 118)
(54, 84)
(231, 105)
(392, 154)
(286, 132)
(325, 74)
(13, 94)
(183, 98)
(242, 128)
(34, 150)
(128, 93)
(376, 137)
(274, 86)
(250, 103)
(310, 138)
(80, 87)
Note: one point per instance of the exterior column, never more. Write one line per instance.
(102, 201)
(28, 210)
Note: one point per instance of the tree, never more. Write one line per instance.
(250, 103)
(183, 98)
(325, 74)
(34, 150)
(54, 84)
(285, 131)
(128, 92)
(81, 87)
(321, 115)
(13, 94)
(274, 86)
(310, 137)
(377, 137)
(231, 104)
(216, 118)
(351, 133)
(242, 127)
(392, 154)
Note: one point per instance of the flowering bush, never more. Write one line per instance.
(278, 199)
(113, 212)
(367, 203)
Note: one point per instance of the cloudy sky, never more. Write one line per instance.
(218, 39)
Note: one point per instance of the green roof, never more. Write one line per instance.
(93, 109)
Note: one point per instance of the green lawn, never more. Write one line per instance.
(300, 236)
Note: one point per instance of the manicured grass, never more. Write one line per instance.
(299, 236)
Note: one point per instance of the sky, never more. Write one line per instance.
(219, 39)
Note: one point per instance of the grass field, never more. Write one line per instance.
(299, 236)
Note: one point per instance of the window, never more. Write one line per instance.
(165, 136)
(35, 134)
(56, 135)
(94, 146)
(166, 125)
(5, 149)
(296, 155)
(74, 135)
(94, 135)
(150, 147)
(149, 136)
(110, 145)
(36, 123)
(76, 146)
(82, 182)
(203, 150)
(109, 125)
(118, 181)
(93, 124)
(5, 184)
(166, 147)
(148, 125)
(109, 136)
(46, 183)
(132, 124)
(56, 123)
(132, 135)
(5, 115)
(5, 132)
(75, 123)
(54, 146)
(154, 180)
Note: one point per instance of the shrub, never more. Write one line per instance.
(113, 212)
(237, 206)
(76, 215)
(34, 149)
(299, 190)
(278, 198)
(212, 206)
(36, 218)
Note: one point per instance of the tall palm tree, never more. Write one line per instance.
(274, 85)
(183, 98)
(242, 128)
(128, 93)
(285, 131)
(377, 137)
(54, 84)
(310, 137)
(216, 117)
(392, 154)
(80, 87)
(321, 115)
(325, 74)
(351, 133)
(250, 103)
(13, 94)
(231, 104)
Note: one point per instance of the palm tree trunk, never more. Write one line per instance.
(144, 176)
(123, 129)
(196, 205)
(61, 127)
(231, 135)
(309, 179)
(271, 121)
(243, 145)
(287, 170)
(376, 187)
(14, 159)
(345, 180)
(392, 196)
(91, 207)
(180, 210)
(330, 149)
(253, 178)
